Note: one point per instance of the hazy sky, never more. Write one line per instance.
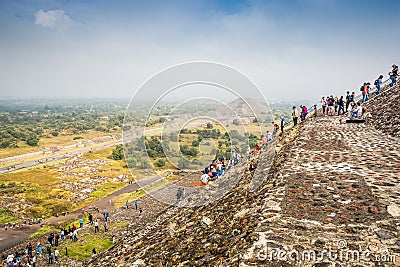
(290, 49)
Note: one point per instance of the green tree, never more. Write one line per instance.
(193, 152)
(161, 162)
(5, 144)
(144, 164)
(183, 163)
(195, 143)
(32, 140)
(54, 133)
(118, 153)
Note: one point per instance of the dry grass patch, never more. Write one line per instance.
(107, 188)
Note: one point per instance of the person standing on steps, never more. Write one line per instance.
(178, 194)
(269, 136)
(323, 101)
(336, 103)
(340, 105)
(393, 74)
(106, 215)
(295, 115)
(136, 204)
(49, 254)
(39, 249)
(331, 103)
(75, 235)
(56, 239)
(348, 100)
(282, 123)
(183, 192)
(56, 255)
(304, 112)
(276, 127)
(90, 219)
(29, 248)
(96, 227)
(34, 261)
(378, 84)
(364, 90)
(105, 226)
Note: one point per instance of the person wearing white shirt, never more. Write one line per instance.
(204, 178)
(56, 254)
(269, 136)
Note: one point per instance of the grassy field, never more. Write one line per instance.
(82, 249)
(6, 218)
(120, 200)
(38, 186)
(105, 189)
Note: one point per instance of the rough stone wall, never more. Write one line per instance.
(385, 111)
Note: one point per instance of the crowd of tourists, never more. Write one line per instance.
(334, 105)
(30, 255)
(217, 167)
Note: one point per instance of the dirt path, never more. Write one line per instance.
(15, 236)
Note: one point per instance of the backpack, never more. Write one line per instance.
(376, 82)
(362, 88)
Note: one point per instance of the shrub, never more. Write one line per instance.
(160, 162)
(118, 153)
(32, 140)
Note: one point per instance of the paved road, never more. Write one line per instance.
(54, 157)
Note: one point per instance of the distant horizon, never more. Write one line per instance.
(127, 100)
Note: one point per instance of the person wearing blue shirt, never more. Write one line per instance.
(378, 84)
(282, 123)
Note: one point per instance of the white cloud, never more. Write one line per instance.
(52, 18)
